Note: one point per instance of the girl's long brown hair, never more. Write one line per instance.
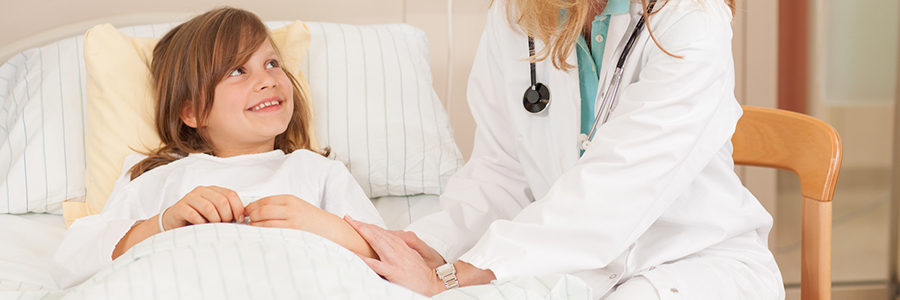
(188, 63)
(541, 20)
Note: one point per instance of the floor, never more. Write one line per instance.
(860, 237)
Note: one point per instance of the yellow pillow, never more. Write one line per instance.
(120, 104)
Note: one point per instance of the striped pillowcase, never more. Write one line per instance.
(42, 92)
(377, 110)
(371, 87)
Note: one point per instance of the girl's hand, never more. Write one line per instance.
(205, 204)
(288, 211)
(281, 211)
(397, 262)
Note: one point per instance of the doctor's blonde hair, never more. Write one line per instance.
(188, 63)
(541, 20)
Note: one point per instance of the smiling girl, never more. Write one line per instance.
(237, 146)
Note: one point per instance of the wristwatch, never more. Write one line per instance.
(447, 273)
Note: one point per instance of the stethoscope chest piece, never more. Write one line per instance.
(536, 98)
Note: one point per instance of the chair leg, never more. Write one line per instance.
(815, 278)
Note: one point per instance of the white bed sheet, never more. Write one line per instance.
(27, 242)
(399, 211)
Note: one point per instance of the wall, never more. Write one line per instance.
(756, 65)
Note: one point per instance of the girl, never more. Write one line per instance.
(237, 146)
(652, 209)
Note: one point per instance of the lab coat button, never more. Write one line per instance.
(599, 38)
(613, 276)
(674, 290)
(652, 268)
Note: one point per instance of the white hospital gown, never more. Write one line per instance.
(88, 244)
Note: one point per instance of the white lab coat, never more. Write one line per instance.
(655, 195)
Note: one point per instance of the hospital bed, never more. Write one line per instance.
(374, 106)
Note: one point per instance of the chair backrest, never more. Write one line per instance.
(775, 138)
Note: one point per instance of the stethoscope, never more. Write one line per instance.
(537, 96)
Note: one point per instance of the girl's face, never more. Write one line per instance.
(252, 105)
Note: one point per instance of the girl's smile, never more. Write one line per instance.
(270, 104)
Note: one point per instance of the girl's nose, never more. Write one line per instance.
(265, 80)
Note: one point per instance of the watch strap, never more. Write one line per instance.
(447, 274)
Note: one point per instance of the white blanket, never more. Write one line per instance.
(232, 261)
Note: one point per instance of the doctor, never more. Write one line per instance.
(652, 209)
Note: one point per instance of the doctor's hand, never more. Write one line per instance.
(398, 263)
(204, 204)
(432, 258)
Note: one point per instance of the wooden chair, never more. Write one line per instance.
(810, 148)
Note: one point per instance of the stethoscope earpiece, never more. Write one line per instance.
(536, 98)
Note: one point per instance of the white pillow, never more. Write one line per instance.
(376, 108)
(42, 128)
(402, 146)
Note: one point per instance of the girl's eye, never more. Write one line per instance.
(236, 72)
(272, 64)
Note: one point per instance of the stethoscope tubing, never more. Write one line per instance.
(609, 99)
(531, 54)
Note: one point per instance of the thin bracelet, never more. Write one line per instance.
(159, 218)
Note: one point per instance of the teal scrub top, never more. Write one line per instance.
(591, 59)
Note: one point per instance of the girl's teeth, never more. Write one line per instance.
(264, 105)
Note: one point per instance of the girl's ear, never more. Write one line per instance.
(188, 116)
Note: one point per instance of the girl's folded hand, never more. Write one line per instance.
(282, 211)
(204, 204)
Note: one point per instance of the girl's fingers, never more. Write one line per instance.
(193, 217)
(273, 200)
(269, 212)
(182, 214)
(217, 197)
(234, 203)
(251, 207)
(206, 209)
(256, 205)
